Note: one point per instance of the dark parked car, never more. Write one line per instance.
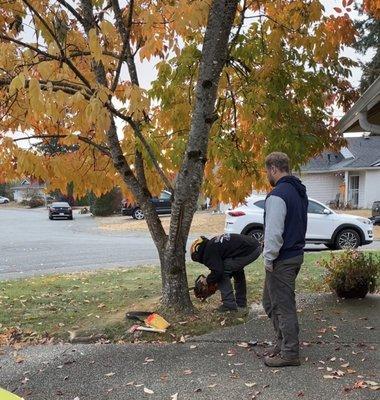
(163, 205)
(376, 212)
(60, 210)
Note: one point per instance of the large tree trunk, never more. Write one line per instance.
(172, 248)
(190, 177)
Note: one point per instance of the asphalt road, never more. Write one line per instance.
(31, 244)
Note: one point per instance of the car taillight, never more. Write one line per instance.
(236, 213)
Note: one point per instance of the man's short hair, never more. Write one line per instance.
(279, 160)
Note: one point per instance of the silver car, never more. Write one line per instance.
(4, 200)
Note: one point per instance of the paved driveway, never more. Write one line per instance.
(31, 244)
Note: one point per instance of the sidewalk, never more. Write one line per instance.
(340, 341)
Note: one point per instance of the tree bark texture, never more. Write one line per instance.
(190, 177)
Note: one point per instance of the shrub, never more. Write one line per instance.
(108, 204)
(36, 201)
(352, 271)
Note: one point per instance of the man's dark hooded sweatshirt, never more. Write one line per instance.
(285, 221)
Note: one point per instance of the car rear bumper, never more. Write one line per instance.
(61, 214)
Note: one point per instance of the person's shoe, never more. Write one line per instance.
(224, 309)
(280, 361)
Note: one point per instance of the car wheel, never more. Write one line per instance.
(347, 239)
(258, 234)
(6, 201)
(71, 218)
(50, 217)
(138, 214)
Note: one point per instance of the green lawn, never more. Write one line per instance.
(96, 302)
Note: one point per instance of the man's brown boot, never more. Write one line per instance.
(280, 361)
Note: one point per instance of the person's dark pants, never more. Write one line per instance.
(280, 304)
(234, 268)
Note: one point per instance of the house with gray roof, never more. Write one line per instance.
(351, 176)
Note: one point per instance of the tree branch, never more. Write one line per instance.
(73, 11)
(103, 149)
(63, 58)
(124, 32)
(125, 38)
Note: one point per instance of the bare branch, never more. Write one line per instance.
(103, 149)
(125, 38)
(124, 32)
(72, 10)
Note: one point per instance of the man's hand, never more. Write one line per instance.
(202, 289)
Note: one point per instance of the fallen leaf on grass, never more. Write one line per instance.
(243, 344)
(187, 372)
(250, 384)
(148, 391)
(182, 340)
(110, 374)
(130, 383)
(193, 346)
(174, 396)
(345, 365)
(369, 328)
(222, 323)
(212, 386)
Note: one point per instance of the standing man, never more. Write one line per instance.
(284, 240)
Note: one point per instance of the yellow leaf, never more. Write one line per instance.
(18, 82)
(53, 49)
(44, 69)
(107, 28)
(95, 47)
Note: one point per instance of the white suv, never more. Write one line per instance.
(324, 226)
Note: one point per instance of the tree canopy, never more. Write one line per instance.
(283, 72)
(369, 39)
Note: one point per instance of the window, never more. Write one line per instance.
(315, 208)
(260, 204)
(165, 196)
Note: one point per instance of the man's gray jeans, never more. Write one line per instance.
(234, 268)
(280, 304)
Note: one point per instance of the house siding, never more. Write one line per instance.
(321, 187)
(372, 188)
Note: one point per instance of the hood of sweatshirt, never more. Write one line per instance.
(295, 182)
